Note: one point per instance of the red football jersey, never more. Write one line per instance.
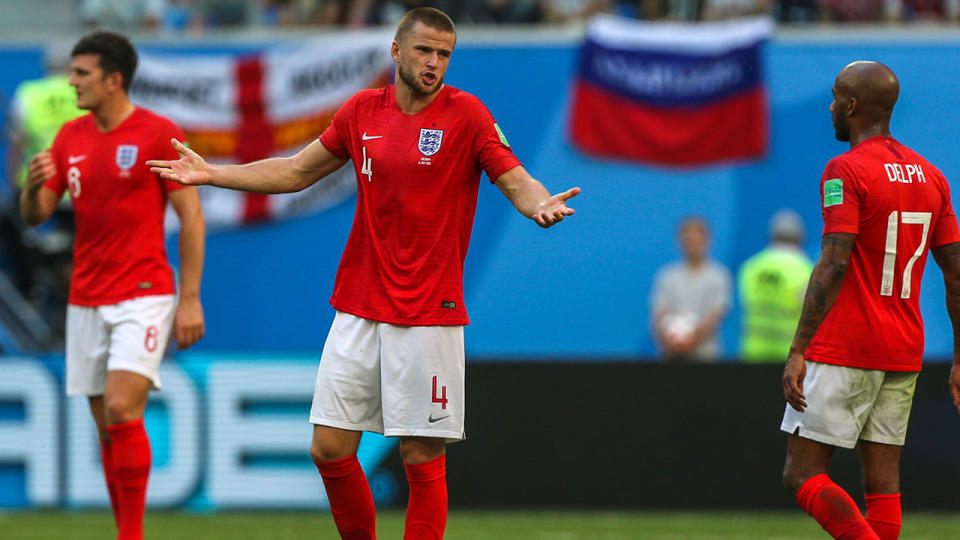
(118, 205)
(898, 205)
(417, 182)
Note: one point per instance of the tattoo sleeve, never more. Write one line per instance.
(948, 259)
(825, 282)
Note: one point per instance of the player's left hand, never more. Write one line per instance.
(188, 325)
(955, 385)
(555, 209)
(793, 374)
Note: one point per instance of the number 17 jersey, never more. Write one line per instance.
(898, 205)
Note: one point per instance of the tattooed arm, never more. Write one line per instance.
(822, 292)
(948, 259)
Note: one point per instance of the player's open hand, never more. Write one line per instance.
(189, 170)
(793, 374)
(955, 385)
(39, 170)
(188, 325)
(555, 209)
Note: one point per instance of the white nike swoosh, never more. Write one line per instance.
(368, 137)
(76, 159)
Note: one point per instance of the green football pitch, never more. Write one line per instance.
(462, 525)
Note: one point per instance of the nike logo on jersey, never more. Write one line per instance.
(76, 159)
(370, 137)
(437, 419)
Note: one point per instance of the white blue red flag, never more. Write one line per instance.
(672, 93)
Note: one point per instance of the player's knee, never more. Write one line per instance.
(119, 410)
(322, 451)
(421, 449)
(792, 480)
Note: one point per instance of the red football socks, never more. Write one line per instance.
(884, 515)
(130, 467)
(834, 509)
(427, 509)
(108, 476)
(351, 501)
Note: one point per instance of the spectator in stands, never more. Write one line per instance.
(771, 285)
(714, 10)
(690, 298)
(847, 11)
(147, 14)
(796, 11)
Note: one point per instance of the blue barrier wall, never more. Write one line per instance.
(582, 289)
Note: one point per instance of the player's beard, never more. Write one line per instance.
(413, 82)
(841, 127)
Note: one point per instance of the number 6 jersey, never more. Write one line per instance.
(898, 205)
(118, 206)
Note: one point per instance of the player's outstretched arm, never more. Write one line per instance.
(274, 175)
(36, 203)
(948, 259)
(533, 200)
(188, 323)
(822, 291)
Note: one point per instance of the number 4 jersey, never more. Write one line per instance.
(898, 205)
(417, 182)
(118, 205)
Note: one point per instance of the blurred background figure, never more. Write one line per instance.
(39, 257)
(690, 298)
(715, 10)
(123, 13)
(771, 285)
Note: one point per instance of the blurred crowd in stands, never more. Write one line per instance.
(197, 15)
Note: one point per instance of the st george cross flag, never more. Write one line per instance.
(676, 94)
(272, 103)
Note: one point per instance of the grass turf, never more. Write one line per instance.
(462, 525)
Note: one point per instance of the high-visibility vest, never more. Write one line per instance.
(45, 105)
(771, 287)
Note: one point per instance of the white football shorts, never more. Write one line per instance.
(129, 336)
(394, 380)
(847, 404)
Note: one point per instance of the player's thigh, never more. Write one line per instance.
(87, 348)
(881, 467)
(888, 419)
(125, 396)
(806, 458)
(139, 332)
(839, 401)
(423, 381)
(347, 390)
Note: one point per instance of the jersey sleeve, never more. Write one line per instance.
(334, 138)
(165, 150)
(840, 198)
(490, 144)
(946, 230)
(58, 182)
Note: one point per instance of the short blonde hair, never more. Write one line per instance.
(432, 17)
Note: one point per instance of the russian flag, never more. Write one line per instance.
(672, 93)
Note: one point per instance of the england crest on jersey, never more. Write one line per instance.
(126, 156)
(430, 140)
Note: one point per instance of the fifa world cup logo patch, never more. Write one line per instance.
(430, 141)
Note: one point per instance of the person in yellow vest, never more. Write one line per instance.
(771, 287)
(38, 109)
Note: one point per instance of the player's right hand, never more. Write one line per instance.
(39, 170)
(955, 385)
(793, 374)
(189, 170)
